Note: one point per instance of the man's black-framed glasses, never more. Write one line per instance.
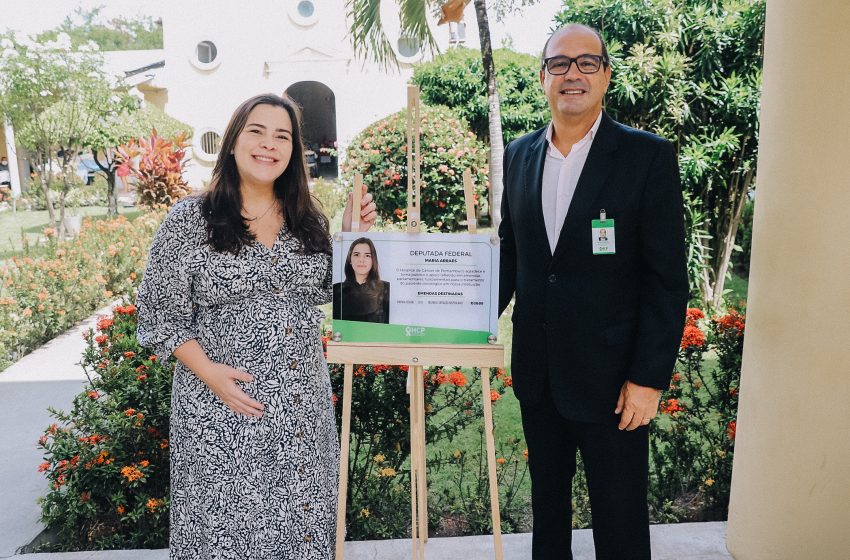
(586, 64)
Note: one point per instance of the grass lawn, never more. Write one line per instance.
(14, 226)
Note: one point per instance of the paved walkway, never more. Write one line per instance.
(52, 376)
(49, 376)
(684, 541)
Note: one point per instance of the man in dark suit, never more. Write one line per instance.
(597, 322)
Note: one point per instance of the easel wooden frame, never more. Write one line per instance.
(416, 356)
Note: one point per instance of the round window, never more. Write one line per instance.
(206, 52)
(408, 47)
(303, 12)
(306, 8)
(210, 142)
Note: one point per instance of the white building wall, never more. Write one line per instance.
(265, 49)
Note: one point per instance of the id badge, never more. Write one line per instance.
(602, 235)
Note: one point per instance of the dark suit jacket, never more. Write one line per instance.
(589, 322)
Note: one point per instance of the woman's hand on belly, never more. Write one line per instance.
(221, 379)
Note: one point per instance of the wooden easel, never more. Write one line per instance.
(416, 356)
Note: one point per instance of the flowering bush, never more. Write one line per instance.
(378, 504)
(692, 445)
(156, 165)
(49, 289)
(448, 147)
(107, 460)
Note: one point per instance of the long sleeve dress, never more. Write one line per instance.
(245, 488)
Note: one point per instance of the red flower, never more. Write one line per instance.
(130, 412)
(494, 396)
(670, 406)
(732, 321)
(129, 355)
(692, 338)
(152, 358)
(142, 368)
(101, 339)
(692, 315)
(94, 395)
(105, 323)
(43, 467)
(731, 428)
(508, 381)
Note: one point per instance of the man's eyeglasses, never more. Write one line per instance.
(586, 64)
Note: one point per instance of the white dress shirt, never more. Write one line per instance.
(560, 177)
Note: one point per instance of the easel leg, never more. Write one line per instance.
(414, 466)
(343, 461)
(491, 463)
(422, 480)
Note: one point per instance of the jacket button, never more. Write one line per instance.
(278, 291)
(274, 260)
(288, 331)
(293, 365)
(552, 278)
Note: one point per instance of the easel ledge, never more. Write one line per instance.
(482, 355)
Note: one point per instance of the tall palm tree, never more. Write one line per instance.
(370, 41)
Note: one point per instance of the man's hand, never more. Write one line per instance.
(368, 211)
(637, 405)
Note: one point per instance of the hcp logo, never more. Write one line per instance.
(414, 331)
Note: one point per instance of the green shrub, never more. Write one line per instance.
(107, 460)
(693, 443)
(455, 79)
(380, 154)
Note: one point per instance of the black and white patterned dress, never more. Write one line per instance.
(245, 488)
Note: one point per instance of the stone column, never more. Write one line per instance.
(791, 476)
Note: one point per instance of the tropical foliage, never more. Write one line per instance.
(691, 72)
(453, 79)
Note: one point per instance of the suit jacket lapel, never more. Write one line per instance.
(590, 183)
(535, 157)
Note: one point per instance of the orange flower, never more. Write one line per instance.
(152, 357)
(144, 462)
(692, 338)
(163, 444)
(457, 378)
(731, 428)
(494, 396)
(120, 510)
(101, 339)
(152, 504)
(442, 378)
(501, 460)
(94, 395)
(132, 474)
(44, 466)
(130, 412)
(105, 323)
(525, 454)
(129, 355)
(508, 381)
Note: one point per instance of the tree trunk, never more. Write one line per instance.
(44, 175)
(730, 231)
(497, 147)
(108, 168)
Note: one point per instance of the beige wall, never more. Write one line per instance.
(791, 478)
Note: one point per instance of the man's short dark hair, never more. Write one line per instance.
(606, 62)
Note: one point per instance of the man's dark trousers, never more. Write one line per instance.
(616, 467)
